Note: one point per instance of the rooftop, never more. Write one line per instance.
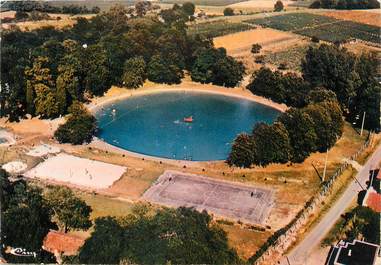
(56, 241)
(356, 253)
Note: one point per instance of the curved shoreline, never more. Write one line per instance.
(94, 107)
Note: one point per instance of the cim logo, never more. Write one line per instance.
(20, 252)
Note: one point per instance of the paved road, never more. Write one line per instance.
(301, 253)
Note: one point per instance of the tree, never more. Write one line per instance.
(368, 93)
(315, 5)
(19, 15)
(334, 69)
(45, 102)
(25, 220)
(300, 127)
(271, 143)
(242, 152)
(320, 94)
(105, 243)
(365, 223)
(69, 211)
(67, 87)
(134, 72)
(96, 70)
(268, 84)
(322, 126)
(228, 11)
(188, 8)
(179, 236)
(160, 70)
(256, 48)
(39, 79)
(214, 66)
(278, 6)
(79, 128)
(142, 7)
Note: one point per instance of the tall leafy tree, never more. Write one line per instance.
(45, 102)
(268, 84)
(333, 68)
(180, 236)
(188, 8)
(368, 92)
(105, 244)
(79, 128)
(134, 72)
(322, 120)
(300, 127)
(26, 220)
(39, 79)
(214, 66)
(271, 143)
(160, 70)
(69, 211)
(242, 152)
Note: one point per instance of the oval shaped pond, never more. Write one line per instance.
(155, 124)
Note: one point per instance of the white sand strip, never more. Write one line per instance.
(77, 171)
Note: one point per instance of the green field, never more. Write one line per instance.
(325, 28)
(204, 2)
(291, 57)
(103, 5)
(217, 28)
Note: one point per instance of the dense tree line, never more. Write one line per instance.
(346, 4)
(176, 236)
(296, 133)
(334, 83)
(28, 214)
(352, 78)
(44, 71)
(29, 6)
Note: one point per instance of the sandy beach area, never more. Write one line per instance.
(118, 93)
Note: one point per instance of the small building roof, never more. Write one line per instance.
(357, 253)
(58, 242)
(374, 201)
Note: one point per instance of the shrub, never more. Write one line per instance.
(282, 66)
(315, 4)
(228, 11)
(278, 6)
(79, 127)
(256, 48)
(315, 39)
(260, 59)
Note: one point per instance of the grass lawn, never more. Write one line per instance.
(245, 241)
(104, 205)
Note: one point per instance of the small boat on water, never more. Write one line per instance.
(188, 119)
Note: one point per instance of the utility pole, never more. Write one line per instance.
(325, 165)
(362, 124)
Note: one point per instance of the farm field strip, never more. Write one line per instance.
(323, 27)
(219, 28)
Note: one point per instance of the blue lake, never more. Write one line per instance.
(154, 124)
